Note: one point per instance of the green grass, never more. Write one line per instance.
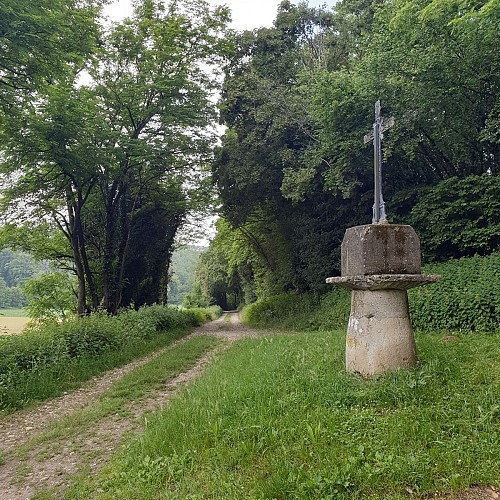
(32, 387)
(133, 386)
(278, 417)
(14, 313)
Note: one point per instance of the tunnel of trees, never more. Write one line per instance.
(108, 141)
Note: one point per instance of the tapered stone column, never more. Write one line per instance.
(380, 262)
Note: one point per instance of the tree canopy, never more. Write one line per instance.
(107, 138)
(293, 172)
(116, 164)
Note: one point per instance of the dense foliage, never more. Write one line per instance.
(108, 167)
(39, 41)
(292, 171)
(50, 351)
(466, 299)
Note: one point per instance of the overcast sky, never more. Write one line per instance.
(246, 14)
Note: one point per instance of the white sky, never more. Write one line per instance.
(246, 14)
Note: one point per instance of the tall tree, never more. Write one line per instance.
(97, 158)
(39, 41)
(268, 172)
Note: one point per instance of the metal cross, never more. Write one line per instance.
(379, 127)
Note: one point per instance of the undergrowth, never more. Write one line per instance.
(465, 299)
(55, 358)
(294, 311)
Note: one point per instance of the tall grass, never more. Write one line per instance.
(59, 357)
(278, 417)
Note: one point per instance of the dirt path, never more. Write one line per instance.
(49, 465)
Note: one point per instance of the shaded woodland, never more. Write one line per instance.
(293, 172)
(108, 141)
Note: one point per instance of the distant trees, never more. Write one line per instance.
(15, 269)
(115, 165)
(182, 272)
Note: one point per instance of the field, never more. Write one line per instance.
(278, 417)
(12, 321)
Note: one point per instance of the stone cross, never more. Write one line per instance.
(379, 127)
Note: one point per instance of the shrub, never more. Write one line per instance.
(467, 298)
(300, 312)
(53, 346)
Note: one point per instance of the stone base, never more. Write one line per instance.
(379, 334)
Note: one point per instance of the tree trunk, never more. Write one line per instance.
(75, 248)
(109, 262)
(83, 254)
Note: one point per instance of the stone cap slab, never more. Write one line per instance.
(383, 281)
(380, 249)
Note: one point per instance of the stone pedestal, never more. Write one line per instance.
(379, 333)
(380, 262)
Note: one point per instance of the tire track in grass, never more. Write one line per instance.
(49, 464)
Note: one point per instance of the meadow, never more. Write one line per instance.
(278, 417)
(12, 321)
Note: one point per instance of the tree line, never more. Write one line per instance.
(107, 138)
(293, 173)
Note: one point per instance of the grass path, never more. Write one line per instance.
(41, 449)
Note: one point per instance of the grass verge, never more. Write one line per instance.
(277, 417)
(132, 387)
(54, 358)
(33, 387)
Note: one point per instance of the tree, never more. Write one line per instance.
(421, 59)
(97, 158)
(270, 171)
(50, 296)
(38, 41)
(298, 99)
(456, 217)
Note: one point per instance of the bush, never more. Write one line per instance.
(53, 346)
(300, 312)
(455, 217)
(467, 298)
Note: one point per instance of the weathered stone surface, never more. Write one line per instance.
(380, 249)
(379, 334)
(379, 263)
(383, 281)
